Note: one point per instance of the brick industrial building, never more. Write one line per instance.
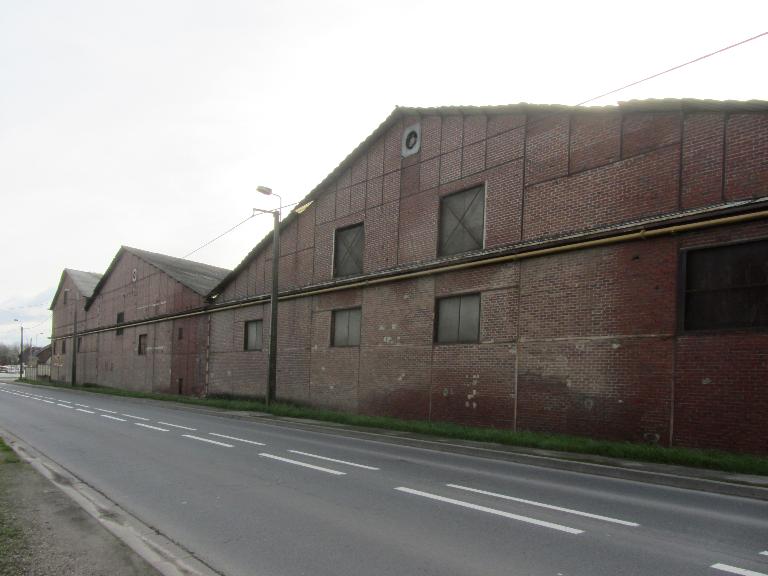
(599, 271)
(134, 327)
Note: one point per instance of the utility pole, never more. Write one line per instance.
(272, 385)
(21, 353)
(75, 347)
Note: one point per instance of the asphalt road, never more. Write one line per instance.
(273, 498)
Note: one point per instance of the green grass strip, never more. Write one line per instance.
(7, 455)
(709, 459)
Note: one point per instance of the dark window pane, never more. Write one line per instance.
(120, 320)
(448, 319)
(348, 251)
(63, 346)
(727, 287)
(469, 319)
(142, 344)
(346, 327)
(461, 221)
(253, 338)
(354, 327)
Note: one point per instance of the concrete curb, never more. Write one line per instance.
(164, 555)
(713, 481)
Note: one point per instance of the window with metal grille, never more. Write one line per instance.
(458, 319)
(348, 251)
(253, 336)
(142, 344)
(120, 320)
(345, 327)
(462, 218)
(726, 287)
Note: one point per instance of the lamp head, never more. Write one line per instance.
(264, 190)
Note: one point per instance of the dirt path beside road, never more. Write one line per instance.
(44, 533)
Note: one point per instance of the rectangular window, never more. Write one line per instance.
(79, 343)
(345, 327)
(254, 336)
(63, 346)
(348, 251)
(726, 287)
(142, 344)
(120, 320)
(181, 333)
(462, 219)
(54, 346)
(458, 319)
(66, 295)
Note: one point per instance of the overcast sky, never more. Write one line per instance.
(150, 123)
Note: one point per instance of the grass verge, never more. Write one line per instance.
(709, 459)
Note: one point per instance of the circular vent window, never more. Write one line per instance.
(411, 140)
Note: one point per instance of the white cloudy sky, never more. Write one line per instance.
(150, 123)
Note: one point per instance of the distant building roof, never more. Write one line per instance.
(85, 282)
(198, 277)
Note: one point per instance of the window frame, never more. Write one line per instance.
(334, 319)
(439, 251)
(64, 346)
(460, 297)
(343, 229)
(120, 320)
(142, 350)
(260, 323)
(682, 289)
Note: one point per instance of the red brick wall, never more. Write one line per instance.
(584, 342)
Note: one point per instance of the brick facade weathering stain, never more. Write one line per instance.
(581, 340)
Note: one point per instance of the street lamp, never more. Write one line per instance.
(271, 391)
(21, 349)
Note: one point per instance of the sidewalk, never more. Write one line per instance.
(43, 532)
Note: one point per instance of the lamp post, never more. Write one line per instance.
(21, 349)
(271, 391)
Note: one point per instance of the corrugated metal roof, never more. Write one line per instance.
(201, 278)
(85, 282)
(649, 105)
(198, 277)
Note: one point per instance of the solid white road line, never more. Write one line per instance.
(152, 427)
(176, 426)
(82, 405)
(209, 441)
(64, 406)
(526, 519)
(135, 417)
(542, 505)
(107, 411)
(332, 460)
(86, 411)
(304, 464)
(237, 439)
(735, 570)
(112, 417)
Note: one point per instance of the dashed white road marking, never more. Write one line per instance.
(332, 460)
(304, 464)
(82, 405)
(49, 401)
(176, 426)
(542, 505)
(736, 570)
(152, 427)
(112, 417)
(84, 410)
(64, 406)
(764, 553)
(65, 401)
(135, 417)
(209, 441)
(107, 411)
(237, 439)
(509, 515)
